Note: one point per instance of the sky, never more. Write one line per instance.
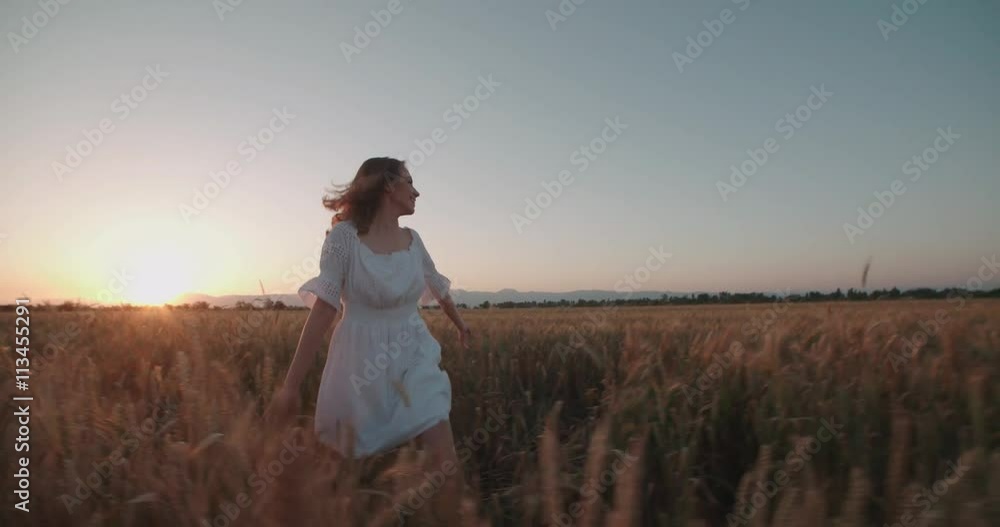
(155, 148)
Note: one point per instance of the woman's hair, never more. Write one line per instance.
(358, 200)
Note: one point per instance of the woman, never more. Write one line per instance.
(382, 385)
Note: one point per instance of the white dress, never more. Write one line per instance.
(382, 375)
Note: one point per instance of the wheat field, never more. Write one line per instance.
(830, 414)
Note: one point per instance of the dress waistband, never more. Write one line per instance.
(359, 311)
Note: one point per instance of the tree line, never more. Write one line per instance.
(723, 297)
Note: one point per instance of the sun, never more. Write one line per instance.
(158, 275)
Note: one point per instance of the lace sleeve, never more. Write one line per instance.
(333, 262)
(438, 286)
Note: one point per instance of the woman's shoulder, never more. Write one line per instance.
(343, 227)
(416, 237)
(342, 233)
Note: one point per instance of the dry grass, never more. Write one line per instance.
(710, 430)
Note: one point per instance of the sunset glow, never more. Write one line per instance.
(161, 274)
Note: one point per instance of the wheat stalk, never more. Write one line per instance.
(628, 490)
(551, 465)
(596, 453)
(898, 458)
(853, 511)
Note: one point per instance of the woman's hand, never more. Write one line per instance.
(284, 405)
(465, 335)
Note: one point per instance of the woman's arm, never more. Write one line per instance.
(321, 316)
(448, 306)
(321, 294)
(439, 287)
(286, 400)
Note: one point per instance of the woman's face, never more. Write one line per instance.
(403, 195)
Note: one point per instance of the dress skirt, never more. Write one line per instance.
(382, 380)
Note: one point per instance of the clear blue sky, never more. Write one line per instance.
(654, 186)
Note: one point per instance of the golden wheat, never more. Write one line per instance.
(153, 418)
